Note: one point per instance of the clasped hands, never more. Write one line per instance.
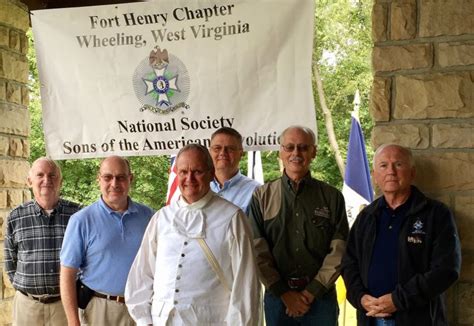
(378, 307)
(297, 302)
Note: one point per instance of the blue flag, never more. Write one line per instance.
(357, 189)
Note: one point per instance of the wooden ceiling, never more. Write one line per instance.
(50, 4)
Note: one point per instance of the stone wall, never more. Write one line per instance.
(423, 98)
(14, 126)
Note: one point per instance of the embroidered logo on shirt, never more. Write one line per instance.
(418, 227)
(323, 212)
(414, 239)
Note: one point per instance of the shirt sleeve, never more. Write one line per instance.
(244, 303)
(10, 251)
(139, 287)
(331, 267)
(268, 272)
(73, 248)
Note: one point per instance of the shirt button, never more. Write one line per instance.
(180, 266)
(185, 243)
(297, 214)
(178, 277)
(297, 249)
(175, 302)
(297, 232)
(177, 290)
(182, 255)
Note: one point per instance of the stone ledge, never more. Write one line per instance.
(13, 173)
(453, 135)
(15, 14)
(434, 96)
(414, 136)
(15, 121)
(392, 58)
(379, 22)
(380, 99)
(455, 54)
(453, 17)
(445, 171)
(465, 303)
(403, 20)
(464, 206)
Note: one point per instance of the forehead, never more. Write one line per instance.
(224, 139)
(296, 136)
(43, 167)
(116, 166)
(392, 153)
(191, 159)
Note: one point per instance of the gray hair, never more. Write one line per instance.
(203, 150)
(50, 162)
(303, 129)
(405, 150)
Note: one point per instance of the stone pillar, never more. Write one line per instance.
(14, 126)
(423, 98)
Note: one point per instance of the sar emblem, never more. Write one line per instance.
(161, 82)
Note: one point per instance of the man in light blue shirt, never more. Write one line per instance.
(226, 152)
(101, 242)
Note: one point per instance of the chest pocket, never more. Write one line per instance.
(319, 231)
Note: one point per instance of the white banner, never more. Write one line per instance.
(148, 78)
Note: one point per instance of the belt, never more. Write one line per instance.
(43, 299)
(115, 298)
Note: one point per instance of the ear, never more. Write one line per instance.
(314, 151)
(29, 182)
(131, 177)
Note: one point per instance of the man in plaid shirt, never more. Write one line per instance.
(33, 241)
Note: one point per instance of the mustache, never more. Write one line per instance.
(296, 159)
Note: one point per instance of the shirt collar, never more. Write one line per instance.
(197, 204)
(229, 183)
(132, 208)
(289, 182)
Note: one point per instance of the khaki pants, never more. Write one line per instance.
(28, 312)
(101, 312)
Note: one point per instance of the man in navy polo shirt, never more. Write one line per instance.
(403, 250)
(100, 243)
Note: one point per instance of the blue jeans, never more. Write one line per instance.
(384, 322)
(323, 312)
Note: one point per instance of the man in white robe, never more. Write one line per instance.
(171, 281)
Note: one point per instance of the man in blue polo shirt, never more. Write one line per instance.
(100, 244)
(226, 152)
(403, 250)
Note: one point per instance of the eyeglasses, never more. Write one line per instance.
(300, 147)
(118, 178)
(196, 173)
(228, 149)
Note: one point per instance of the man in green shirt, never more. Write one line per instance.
(300, 230)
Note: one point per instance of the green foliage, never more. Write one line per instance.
(342, 46)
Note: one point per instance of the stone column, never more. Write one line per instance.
(423, 98)
(14, 126)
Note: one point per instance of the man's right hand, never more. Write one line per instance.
(296, 303)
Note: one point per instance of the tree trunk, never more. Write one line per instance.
(328, 119)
